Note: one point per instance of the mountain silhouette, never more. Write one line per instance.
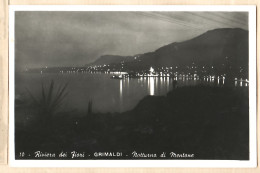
(219, 47)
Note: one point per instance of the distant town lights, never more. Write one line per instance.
(151, 70)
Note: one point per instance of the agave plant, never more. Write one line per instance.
(50, 100)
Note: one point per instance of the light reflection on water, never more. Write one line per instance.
(151, 88)
(121, 94)
(108, 95)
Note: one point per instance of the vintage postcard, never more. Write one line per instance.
(132, 86)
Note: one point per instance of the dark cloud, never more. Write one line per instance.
(77, 38)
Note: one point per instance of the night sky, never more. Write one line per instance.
(78, 38)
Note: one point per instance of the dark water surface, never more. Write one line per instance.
(107, 95)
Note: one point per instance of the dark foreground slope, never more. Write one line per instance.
(210, 122)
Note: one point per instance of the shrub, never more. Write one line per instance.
(50, 100)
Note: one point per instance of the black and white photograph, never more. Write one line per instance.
(145, 85)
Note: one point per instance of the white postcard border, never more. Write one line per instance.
(251, 9)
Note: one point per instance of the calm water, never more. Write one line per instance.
(107, 95)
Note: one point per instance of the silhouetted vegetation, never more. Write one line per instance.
(211, 122)
(90, 107)
(48, 103)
